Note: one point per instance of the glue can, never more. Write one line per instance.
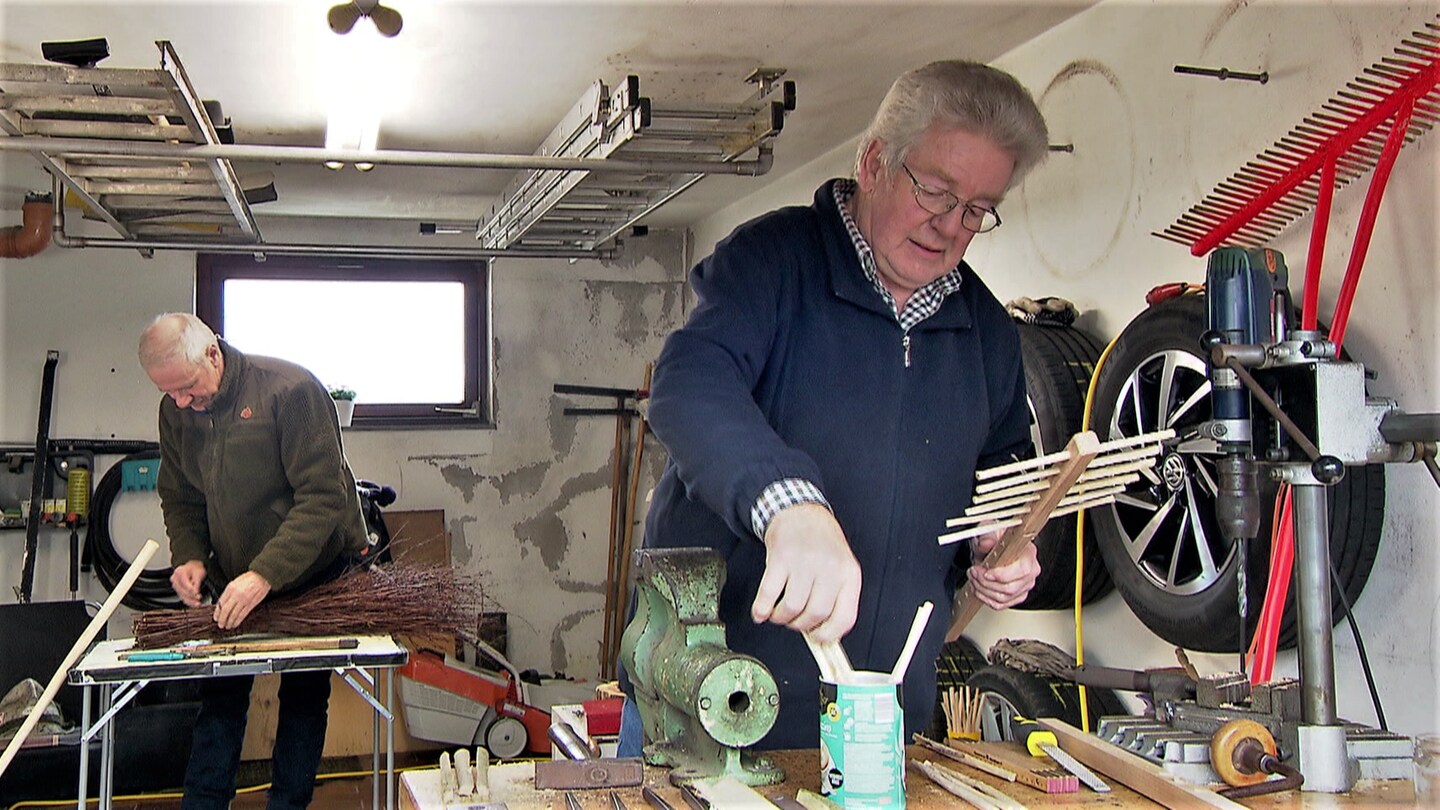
(862, 742)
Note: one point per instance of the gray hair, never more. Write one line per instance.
(966, 95)
(173, 336)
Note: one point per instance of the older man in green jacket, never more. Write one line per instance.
(258, 500)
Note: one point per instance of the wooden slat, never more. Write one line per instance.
(1135, 772)
(151, 171)
(113, 130)
(113, 78)
(92, 104)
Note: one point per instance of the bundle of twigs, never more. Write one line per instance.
(962, 712)
(377, 600)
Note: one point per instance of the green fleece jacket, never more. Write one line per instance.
(258, 482)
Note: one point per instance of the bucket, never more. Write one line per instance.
(862, 742)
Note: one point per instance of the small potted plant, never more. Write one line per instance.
(344, 403)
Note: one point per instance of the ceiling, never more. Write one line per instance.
(495, 77)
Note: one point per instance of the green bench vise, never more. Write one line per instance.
(700, 703)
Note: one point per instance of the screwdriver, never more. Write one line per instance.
(1040, 742)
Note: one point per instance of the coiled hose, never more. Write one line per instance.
(152, 590)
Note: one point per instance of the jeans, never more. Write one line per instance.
(220, 733)
(632, 733)
(299, 732)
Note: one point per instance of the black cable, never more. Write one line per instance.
(152, 590)
(1360, 647)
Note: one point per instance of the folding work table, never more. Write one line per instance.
(119, 680)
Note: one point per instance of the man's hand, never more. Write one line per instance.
(186, 580)
(812, 581)
(1008, 585)
(240, 597)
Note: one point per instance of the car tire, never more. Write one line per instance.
(1009, 692)
(1059, 362)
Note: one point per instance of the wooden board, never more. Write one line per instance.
(419, 537)
(1132, 770)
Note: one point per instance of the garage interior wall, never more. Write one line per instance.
(527, 503)
(1149, 144)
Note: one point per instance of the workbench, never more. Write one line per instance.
(119, 680)
(511, 785)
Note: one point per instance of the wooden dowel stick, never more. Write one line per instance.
(917, 628)
(1006, 523)
(996, 489)
(1137, 457)
(1079, 487)
(81, 645)
(1105, 447)
(1000, 513)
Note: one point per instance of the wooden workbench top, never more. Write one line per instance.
(802, 770)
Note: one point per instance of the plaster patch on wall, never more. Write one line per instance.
(460, 551)
(559, 659)
(546, 531)
(562, 428)
(575, 586)
(631, 324)
(525, 481)
(462, 478)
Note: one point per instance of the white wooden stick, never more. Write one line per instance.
(986, 528)
(1062, 455)
(81, 645)
(997, 489)
(1077, 488)
(955, 787)
(917, 628)
(1043, 475)
(1023, 509)
(831, 658)
(822, 660)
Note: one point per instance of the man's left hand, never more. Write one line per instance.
(1007, 585)
(240, 597)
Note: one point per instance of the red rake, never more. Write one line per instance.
(1362, 127)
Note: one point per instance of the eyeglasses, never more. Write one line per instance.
(938, 201)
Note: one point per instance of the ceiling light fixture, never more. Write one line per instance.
(343, 17)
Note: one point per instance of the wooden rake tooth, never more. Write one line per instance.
(1027, 476)
(1016, 511)
(1097, 499)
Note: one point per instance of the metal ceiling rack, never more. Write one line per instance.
(141, 198)
(583, 210)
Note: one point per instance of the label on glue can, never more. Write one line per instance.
(862, 748)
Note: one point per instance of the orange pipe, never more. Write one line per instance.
(24, 241)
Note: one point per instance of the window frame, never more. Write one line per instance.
(212, 270)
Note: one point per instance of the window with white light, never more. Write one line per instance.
(408, 336)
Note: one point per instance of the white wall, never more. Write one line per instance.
(527, 504)
(1148, 144)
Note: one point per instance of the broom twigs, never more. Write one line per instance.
(378, 600)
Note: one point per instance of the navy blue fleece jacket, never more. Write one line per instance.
(792, 366)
